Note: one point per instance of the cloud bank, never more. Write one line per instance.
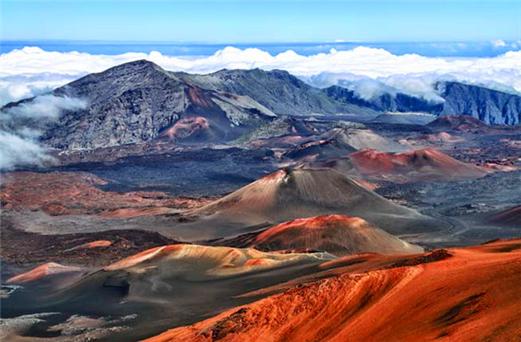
(20, 129)
(369, 71)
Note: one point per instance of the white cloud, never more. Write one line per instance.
(17, 151)
(45, 106)
(31, 70)
(20, 129)
(499, 43)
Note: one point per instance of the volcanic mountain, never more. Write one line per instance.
(424, 164)
(415, 298)
(138, 101)
(336, 234)
(302, 192)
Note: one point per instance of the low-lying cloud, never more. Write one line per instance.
(20, 129)
(31, 70)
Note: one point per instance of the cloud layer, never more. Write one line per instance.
(20, 129)
(31, 70)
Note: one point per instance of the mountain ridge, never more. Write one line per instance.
(139, 102)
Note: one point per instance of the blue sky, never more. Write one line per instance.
(261, 21)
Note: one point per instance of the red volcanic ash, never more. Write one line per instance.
(198, 97)
(186, 127)
(92, 244)
(71, 193)
(470, 294)
(336, 234)
(423, 164)
(41, 272)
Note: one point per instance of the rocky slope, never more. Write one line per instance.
(385, 102)
(488, 105)
(138, 101)
(278, 90)
(386, 300)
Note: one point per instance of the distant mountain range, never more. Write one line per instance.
(487, 105)
(139, 102)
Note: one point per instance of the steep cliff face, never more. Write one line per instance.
(487, 105)
(385, 102)
(137, 102)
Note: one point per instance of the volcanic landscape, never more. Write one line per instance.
(248, 205)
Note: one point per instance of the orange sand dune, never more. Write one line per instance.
(470, 294)
(336, 234)
(423, 164)
(205, 261)
(41, 272)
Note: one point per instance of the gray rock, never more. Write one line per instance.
(138, 101)
(487, 105)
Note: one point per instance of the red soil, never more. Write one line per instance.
(41, 272)
(71, 193)
(198, 97)
(336, 234)
(146, 255)
(186, 127)
(423, 164)
(92, 244)
(469, 294)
